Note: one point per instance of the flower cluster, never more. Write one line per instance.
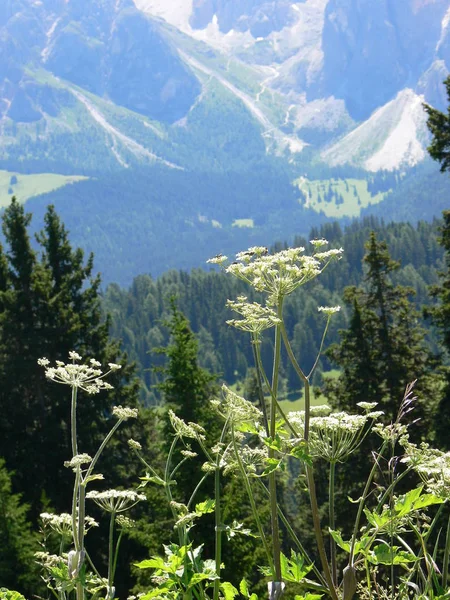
(256, 318)
(335, 436)
(186, 430)
(89, 378)
(236, 408)
(62, 524)
(116, 500)
(433, 467)
(281, 273)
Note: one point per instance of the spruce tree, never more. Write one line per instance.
(49, 305)
(18, 570)
(383, 349)
(439, 126)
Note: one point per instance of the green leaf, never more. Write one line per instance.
(294, 569)
(383, 554)
(229, 591)
(198, 577)
(272, 465)
(243, 588)
(6, 594)
(309, 597)
(152, 563)
(203, 508)
(153, 479)
(339, 541)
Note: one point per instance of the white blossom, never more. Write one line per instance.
(124, 413)
(89, 378)
(115, 500)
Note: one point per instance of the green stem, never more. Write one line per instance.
(296, 541)
(101, 448)
(361, 506)
(272, 431)
(446, 557)
(218, 516)
(75, 496)
(309, 469)
(73, 421)
(316, 362)
(262, 400)
(252, 501)
(332, 521)
(111, 555)
(116, 554)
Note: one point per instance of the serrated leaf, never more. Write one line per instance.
(152, 563)
(383, 554)
(153, 479)
(243, 588)
(229, 591)
(198, 577)
(272, 465)
(203, 508)
(309, 597)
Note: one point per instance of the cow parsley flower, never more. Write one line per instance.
(123, 414)
(89, 378)
(116, 500)
(281, 273)
(256, 318)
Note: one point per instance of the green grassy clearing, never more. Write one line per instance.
(28, 186)
(353, 192)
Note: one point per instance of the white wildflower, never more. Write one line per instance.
(329, 310)
(219, 259)
(238, 409)
(279, 274)
(134, 444)
(125, 413)
(188, 430)
(85, 377)
(78, 460)
(319, 243)
(256, 318)
(367, 405)
(116, 500)
(43, 362)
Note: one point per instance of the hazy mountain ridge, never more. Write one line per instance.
(221, 123)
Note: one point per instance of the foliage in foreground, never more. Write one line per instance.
(392, 547)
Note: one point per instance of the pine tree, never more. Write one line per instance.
(383, 349)
(439, 126)
(18, 569)
(441, 318)
(49, 305)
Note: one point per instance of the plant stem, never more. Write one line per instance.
(218, 516)
(73, 421)
(272, 430)
(101, 448)
(332, 521)
(110, 555)
(309, 469)
(262, 400)
(252, 501)
(446, 557)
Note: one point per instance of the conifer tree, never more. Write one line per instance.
(49, 305)
(18, 569)
(383, 349)
(439, 126)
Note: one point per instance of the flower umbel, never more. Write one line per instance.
(89, 378)
(116, 500)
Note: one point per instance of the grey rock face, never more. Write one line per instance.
(372, 50)
(106, 47)
(260, 17)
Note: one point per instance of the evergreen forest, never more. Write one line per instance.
(184, 409)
